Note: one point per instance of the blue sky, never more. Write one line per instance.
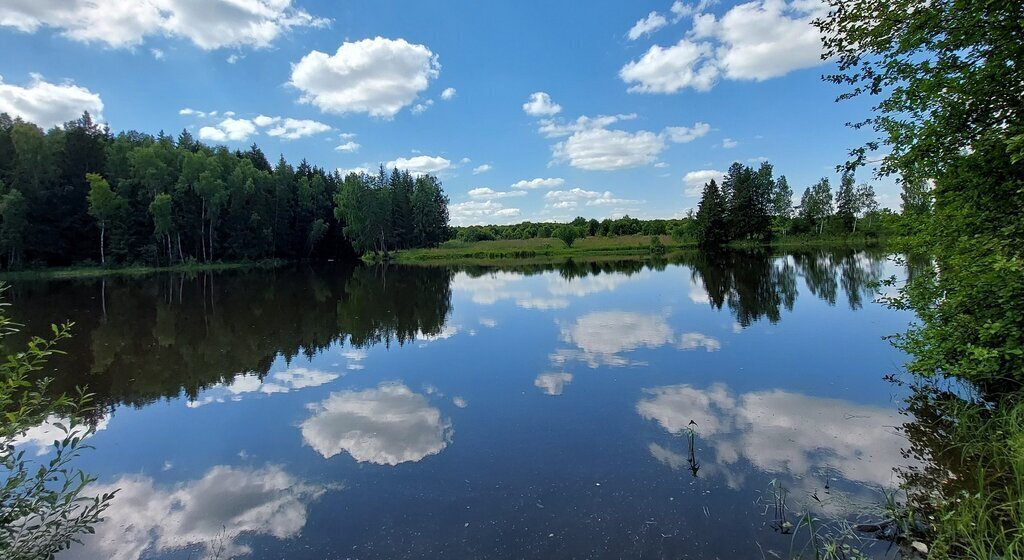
(526, 110)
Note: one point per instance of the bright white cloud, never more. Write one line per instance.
(681, 10)
(757, 40)
(375, 76)
(538, 183)
(647, 25)
(388, 425)
(601, 149)
(357, 170)
(487, 193)
(572, 197)
(482, 169)
(293, 129)
(228, 130)
(729, 143)
(215, 510)
(420, 165)
(240, 130)
(670, 69)
(420, 108)
(552, 383)
(211, 24)
(557, 128)
(480, 212)
(47, 104)
(593, 147)
(694, 181)
(448, 93)
(684, 134)
(541, 105)
(347, 147)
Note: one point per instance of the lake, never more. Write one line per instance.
(581, 410)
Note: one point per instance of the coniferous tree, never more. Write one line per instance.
(712, 227)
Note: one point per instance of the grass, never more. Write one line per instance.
(545, 249)
(537, 248)
(94, 271)
(984, 517)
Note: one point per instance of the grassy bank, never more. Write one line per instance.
(536, 248)
(546, 249)
(70, 272)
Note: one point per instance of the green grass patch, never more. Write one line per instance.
(628, 245)
(537, 248)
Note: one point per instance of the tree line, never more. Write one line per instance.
(79, 193)
(751, 204)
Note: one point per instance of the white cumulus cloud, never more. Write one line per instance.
(482, 169)
(448, 93)
(211, 24)
(647, 25)
(375, 76)
(487, 193)
(228, 130)
(388, 425)
(541, 105)
(756, 40)
(47, 104)
(694, 181)
(347, 147)
(480, 212)
(600, 149)
(420, 165)
(538, 183)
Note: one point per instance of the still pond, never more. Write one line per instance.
(580, 410)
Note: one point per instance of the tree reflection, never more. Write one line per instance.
(756, 285)
(160, 336)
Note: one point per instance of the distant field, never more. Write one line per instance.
(538, 247)
(627, 245)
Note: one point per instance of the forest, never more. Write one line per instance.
(750, 205)
(79, 194)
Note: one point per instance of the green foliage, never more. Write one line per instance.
(946, 74)
(13, 224)
(567, 234)
(948, 80)
(375, 222)
(157, 201)
(657, 247)
(712, 227)
(43, 506)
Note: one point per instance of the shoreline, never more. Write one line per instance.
(477, 253)
(76, 272)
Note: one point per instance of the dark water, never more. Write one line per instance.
(612, 410)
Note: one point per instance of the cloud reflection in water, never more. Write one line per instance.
(388, 425)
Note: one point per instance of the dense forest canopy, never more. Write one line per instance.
(79, 193)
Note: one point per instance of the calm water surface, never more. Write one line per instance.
(613, 410)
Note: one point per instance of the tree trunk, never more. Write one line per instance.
(202, 229)
(103, 257)
(181, 257)
(855, 224)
